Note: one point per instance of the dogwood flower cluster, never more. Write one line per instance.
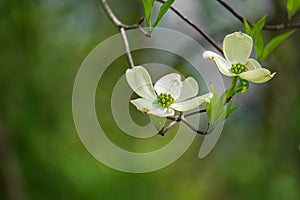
(169, 93)
(237, 48)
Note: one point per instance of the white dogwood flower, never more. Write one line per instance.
(237, 48)
(168, 94)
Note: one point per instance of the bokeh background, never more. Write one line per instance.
(41, 156)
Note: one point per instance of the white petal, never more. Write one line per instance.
(148, 107)
(257, 76)
(223, 65)
(237, 47)
(267, 78)
(140, 82)
(170, 84)
(252, 64)
(142, 104)
(192, 103)
(189, 89)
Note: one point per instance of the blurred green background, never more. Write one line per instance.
(41, 156)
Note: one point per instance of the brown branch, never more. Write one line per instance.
(233, 11)
(266, 26)
(166, 129)
(194, 128)
(180, 118)
(197, 28)
(122, 27)
(127, 48)
(115, 20)
(282, 26)
(195, 112)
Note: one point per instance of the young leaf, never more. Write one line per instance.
(215, 109)
(163, 9)
(158, 122)
(148, 7)
(292, 7)
(248, 29)
(259, 46)
(260, 24)
(230, 110)
(257, 37)
(274, 43)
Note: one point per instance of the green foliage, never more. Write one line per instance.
(255, 33)
(274, 43)
(216, 109)
(163, 9)
(238, 85)
(148, 7)
(262, 50)
(292, 6)
(229, 109)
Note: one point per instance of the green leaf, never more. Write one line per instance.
(248, 29)
(274, 43)
(148, 8)
(158, 122)
(260, 24)
(259, 46)
(230, 110)
(215, 109)
(292, 7)
(257, 37)
(163, 9)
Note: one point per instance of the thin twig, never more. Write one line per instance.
(197, 28)
(115, 20)
(233, 11)
(127, 48)
(266, 26)
(122, 27)
(282, 26)
(193, 128)
(164, 130)
(176, 119)
(195, 112)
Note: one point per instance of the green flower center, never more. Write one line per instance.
(238, 68)
(165, 100)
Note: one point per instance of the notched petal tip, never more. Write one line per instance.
(209, 55)
(223, 65)
(257, 76)
(272, 75)
(237, 47)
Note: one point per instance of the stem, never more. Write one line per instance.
(127, 48)
(266, 27)
(197, 28)
(195, 112)
(194, 128)
(232, 11)
(282, 26)
(110, 13)
(233, 84)
(115, 20)
(164, 130)
(122, 27)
